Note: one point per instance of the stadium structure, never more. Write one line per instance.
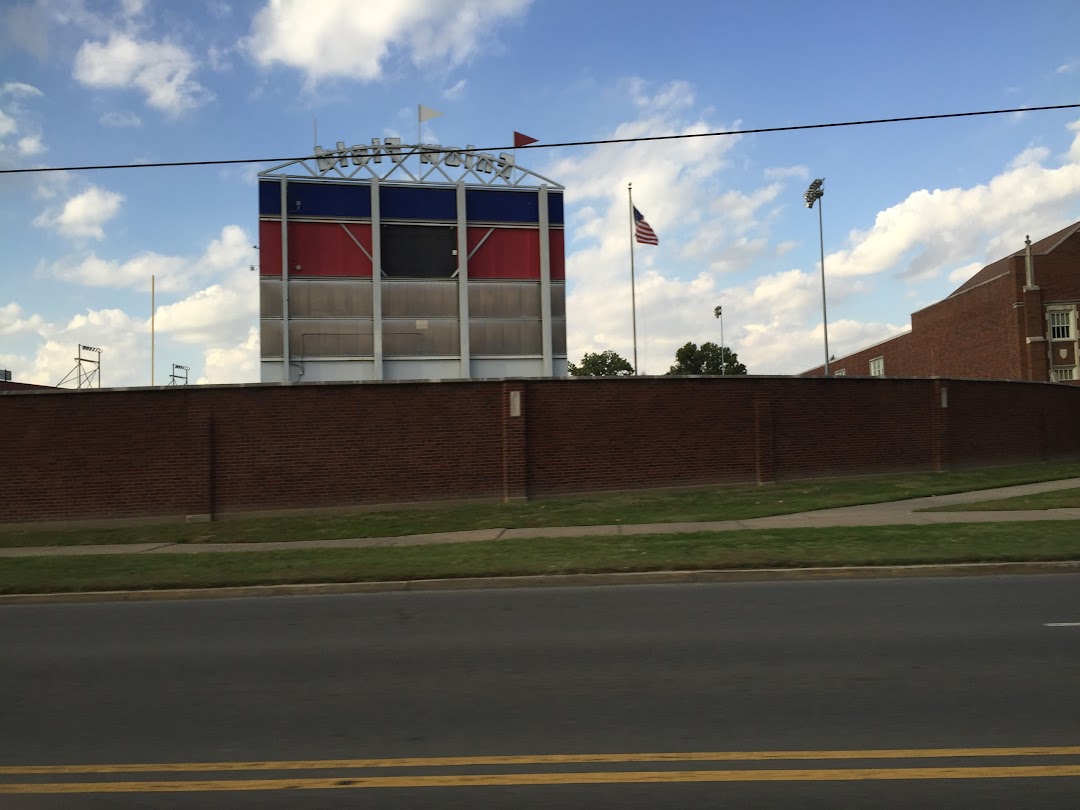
(385, 261)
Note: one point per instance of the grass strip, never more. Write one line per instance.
(1059, 499)
(863, 545)
(717, 503)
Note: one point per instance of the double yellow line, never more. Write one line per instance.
(347, 778)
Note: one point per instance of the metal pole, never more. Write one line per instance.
(285, 280)
(633, 295)
(548, 361)
(722, 363)
(153, 311)
(824, 315)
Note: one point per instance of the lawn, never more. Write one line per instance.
(877, 545)
(717, 503)
(1059, 499)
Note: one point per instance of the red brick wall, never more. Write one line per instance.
(200, 450)
(977, 334)
(1057, 274)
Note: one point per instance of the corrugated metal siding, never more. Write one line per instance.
(327, 298)
(558, 336)
(270, 297)
(420, 337)
(326, 337)
(558, 301)
(319, 337)
(420, 299)
(488, 299)
(505, 337)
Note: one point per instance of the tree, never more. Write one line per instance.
(709, 359)
(601, 364)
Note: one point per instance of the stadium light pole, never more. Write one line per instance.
(719, 313)
(814, 194)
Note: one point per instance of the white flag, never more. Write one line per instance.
(426, 113)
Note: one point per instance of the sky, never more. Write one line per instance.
(910, 209)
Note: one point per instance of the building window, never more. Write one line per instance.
(840, 372)
(877, 367)
(1062, 374)
(1061, 325)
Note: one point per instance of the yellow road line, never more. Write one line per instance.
(541, 759)
(510, 779)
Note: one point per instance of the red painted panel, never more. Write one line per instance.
(319, 248)
(557, 241)
(269, 248)
(513, 253)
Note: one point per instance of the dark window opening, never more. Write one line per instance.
(419, 251)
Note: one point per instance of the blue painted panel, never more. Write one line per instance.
(269, 198)
(555, 209)
(405, 202)
(517, 207)
(353, 201)
(347, 200)
(485, 205)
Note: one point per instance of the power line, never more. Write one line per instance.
(601, 142)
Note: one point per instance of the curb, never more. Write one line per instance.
(554, 581)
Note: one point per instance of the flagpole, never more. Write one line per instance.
(153, 312)
(633, 293)
(419, 121)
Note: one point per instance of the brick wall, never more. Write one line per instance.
(170, 452)
(978, 333)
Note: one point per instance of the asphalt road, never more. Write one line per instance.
(724, 672)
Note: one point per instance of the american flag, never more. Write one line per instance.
(643, 231)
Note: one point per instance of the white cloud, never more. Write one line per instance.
(708, 230)
(16, 121)
(233, 364)
(1073, 155)
(933, 230)
(132, 8)
(84, 215)
(213, 329)
(333, 38)
(784, 172)
(161, 70)
(964, 272)
(122, 339)
(171, 274)
(120, 118)
(455, 91)
(30, 145)
(1031, 155)
(20, 89)
(12, 321)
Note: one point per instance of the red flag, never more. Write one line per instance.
(522, 140)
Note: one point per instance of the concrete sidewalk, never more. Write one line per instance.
(891, 513)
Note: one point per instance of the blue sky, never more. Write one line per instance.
(911, 209)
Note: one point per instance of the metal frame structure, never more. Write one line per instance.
(366, 161)
(388, 162)
(83, 375)
(179, 379)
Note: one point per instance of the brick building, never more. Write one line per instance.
(1016, 319)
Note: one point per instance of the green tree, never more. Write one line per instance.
(708, 359)
(601, 364)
